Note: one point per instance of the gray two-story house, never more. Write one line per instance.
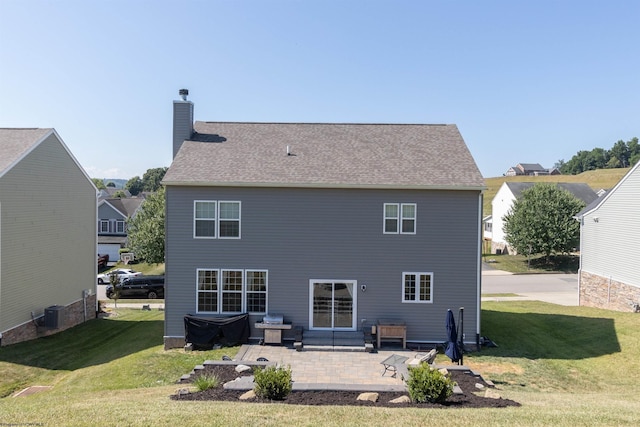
(333, 226)
(113, 214)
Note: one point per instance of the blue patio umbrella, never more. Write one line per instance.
(452, 350)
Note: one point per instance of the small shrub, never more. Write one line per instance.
(428, 385)
(272, 382)
(206, 381)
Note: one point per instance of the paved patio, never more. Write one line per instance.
(331, 370)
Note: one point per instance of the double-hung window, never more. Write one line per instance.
(417, 287)
(231, 291)
(216, 219)
(208, 291)
(119, 226)
(104, 225)
(400, 218)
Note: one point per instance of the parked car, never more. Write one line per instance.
(150, 287)
(122, 273)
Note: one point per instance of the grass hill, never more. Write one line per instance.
(596, 179)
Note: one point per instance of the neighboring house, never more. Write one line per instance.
(112, 224)
(333, 226)
(109, 192)
(609, 249)
(532, 169)
(47, 236)
(509, 192)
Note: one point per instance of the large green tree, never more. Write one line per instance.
(541, 221)
(134, 186)
(152, 178)
(146, 229)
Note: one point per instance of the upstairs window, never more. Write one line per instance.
(400, 218)
(204, 219)
(229, 222)
(216, 219)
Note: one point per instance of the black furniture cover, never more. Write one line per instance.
(204, 333)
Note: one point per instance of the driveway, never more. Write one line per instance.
(559, 289)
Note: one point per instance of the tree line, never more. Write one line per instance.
(621, 155)
(150, 182)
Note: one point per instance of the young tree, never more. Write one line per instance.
(541, 221)
(146, 229)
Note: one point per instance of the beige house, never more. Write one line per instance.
(48, 214)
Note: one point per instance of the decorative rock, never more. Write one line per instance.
(371, 397)
(182, 391)
(242, 368)
(491, 394)
(490, 383)
(444, 371)
(479, 386)
(248, 395)
(401, 399)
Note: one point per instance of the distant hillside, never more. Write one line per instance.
(597, 179)
(120, 183)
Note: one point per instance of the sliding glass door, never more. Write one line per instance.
(332, 304)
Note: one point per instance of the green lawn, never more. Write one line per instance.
(533, 264)
(567, 366)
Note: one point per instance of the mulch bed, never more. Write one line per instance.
(465, 379)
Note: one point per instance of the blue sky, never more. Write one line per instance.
(526, 82)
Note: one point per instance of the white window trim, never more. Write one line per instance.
(218, 219)
(223, 292)
(195, 202)
(399, 218)
(414, 218)
(385, 217)
(244, 292)
(265, 292)
(118, 223)
(103, 222)
(198, 270)
(417, 274)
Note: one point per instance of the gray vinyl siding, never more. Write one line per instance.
(610, 246)
(47, 234)
(302, 234)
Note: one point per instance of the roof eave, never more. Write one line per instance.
(464, 187)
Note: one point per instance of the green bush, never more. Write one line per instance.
(206, 381)
(428, 385)
(272, 382)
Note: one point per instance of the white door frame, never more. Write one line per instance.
(354, 298)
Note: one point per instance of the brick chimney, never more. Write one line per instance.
(182, 120)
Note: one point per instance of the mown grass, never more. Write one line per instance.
(567, 366)
(596, 179)
(534, 264)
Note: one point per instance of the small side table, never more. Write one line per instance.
(390, 363)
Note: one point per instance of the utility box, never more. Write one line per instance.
(53, 316)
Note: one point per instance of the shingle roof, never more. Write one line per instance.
(127, 206)
(325, 155)
(15, 143)
(579, 190)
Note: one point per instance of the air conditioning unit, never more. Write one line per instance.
(53, 316)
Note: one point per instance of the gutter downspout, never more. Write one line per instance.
(479, 273)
